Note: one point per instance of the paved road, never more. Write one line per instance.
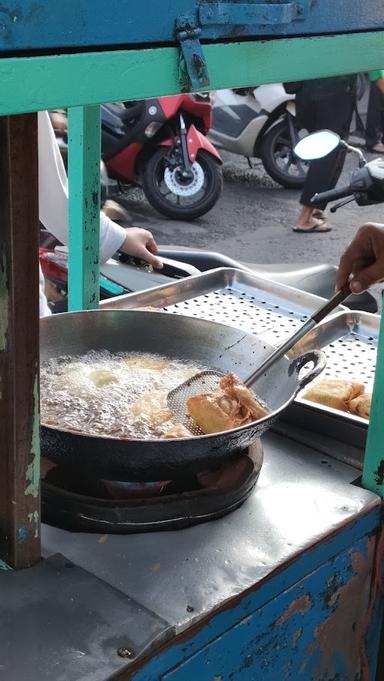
(252, 221)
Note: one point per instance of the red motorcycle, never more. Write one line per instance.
(161, 145)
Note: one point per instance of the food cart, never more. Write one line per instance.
(284, 582)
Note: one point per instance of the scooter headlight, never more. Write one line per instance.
(152, 129)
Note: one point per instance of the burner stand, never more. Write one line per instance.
(151, 507)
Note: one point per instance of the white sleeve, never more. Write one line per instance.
(53, 193)
(43, 304)
(53, 184)
(112, 237)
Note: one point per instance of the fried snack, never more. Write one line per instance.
(148, 363)
(177, 430)
(152, 406)
(103, 377)
(337, 394)
(361, 406)
(230, 406)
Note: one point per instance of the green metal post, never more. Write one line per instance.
(84, 207)
(68, 80)
(373, 467)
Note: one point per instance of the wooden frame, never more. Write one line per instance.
(19, 343)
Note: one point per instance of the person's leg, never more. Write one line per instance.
(373, 130)
(307, 113)
(381, 117)
(323, 175)
(335, 114)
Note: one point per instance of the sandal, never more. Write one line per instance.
(321, 226)
(319, 214)
(320, 219)
(377, 148)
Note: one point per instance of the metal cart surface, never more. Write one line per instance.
(287, 586)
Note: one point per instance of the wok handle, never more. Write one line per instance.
(317, 358)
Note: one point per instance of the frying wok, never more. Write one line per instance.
(176, 337)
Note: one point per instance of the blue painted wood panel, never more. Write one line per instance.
(311, 632)
(43, 24)
(253, 600)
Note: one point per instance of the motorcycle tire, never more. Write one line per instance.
(276, 137)
(153, 176)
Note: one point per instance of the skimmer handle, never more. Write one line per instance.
(282, 350)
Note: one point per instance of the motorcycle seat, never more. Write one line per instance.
(317, 279)
(311, 278)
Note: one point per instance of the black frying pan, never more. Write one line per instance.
(175, 336)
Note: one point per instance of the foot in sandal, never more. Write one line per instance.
(311, 220)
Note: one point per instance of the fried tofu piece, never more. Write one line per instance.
(212, 413)
(152, 406)
(177, 430)
(148, 363)
(361, 406)
(230, 406)
(337, 394)
(103, 377)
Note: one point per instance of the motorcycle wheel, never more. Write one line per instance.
(278, 158)
(180, 200)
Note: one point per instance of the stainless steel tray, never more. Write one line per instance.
(230, 296)
(273, 311)
(349, 340)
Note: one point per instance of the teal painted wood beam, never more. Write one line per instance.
(91, 78)
(84, 207)
(373, 466)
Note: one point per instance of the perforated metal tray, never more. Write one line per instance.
(230, 296)
(349, 341)
(273, 311)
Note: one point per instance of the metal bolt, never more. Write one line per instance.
(5, 23)
(125, 652)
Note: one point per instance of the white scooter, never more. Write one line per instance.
(260, 122)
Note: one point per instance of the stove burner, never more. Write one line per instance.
(76, 502)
